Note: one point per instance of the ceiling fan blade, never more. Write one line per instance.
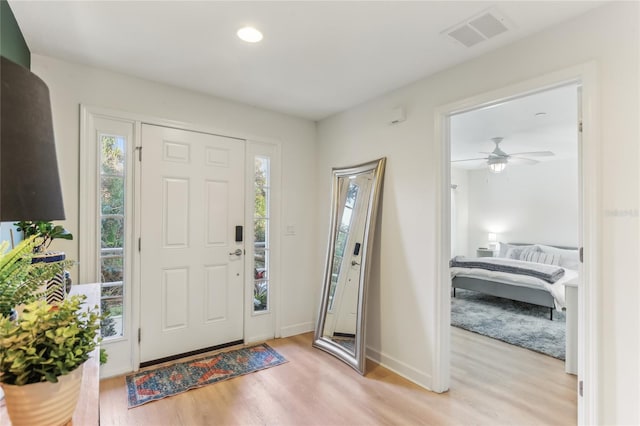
(534, 154)
(522, 161)
(494, 154)
(469, 159)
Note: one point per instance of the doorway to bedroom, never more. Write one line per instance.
(515, 229)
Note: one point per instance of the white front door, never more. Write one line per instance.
(191, 265)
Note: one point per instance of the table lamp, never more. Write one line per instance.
(29, 180)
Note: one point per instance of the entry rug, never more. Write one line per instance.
(151, 385)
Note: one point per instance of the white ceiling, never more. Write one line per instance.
(316, 59)
(523, 131)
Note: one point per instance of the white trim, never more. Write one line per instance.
(292, 330)
(260, 326)
(441, 360)
(400, 368)
(88, 231)
(588, 352)
(92, 124)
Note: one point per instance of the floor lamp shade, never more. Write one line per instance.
(29, 180)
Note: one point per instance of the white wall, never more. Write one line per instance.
(460, 214)
(402, 302)
(525, 204)
(72, 84)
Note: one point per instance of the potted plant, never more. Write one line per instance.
(41, 359)
(20, 279)
(46, 231)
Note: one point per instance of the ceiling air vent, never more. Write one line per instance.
(478, 28)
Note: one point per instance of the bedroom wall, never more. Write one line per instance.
(460, 213)
(525, 204)
(402, 311)
(72, 84)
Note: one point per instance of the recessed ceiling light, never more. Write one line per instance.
(540, 114)
(249, 34)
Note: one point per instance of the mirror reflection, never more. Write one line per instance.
(340, 328)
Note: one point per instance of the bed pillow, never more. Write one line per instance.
(512, 251)
(538, 256)
(569, 259)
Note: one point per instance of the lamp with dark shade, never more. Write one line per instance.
(29, 180)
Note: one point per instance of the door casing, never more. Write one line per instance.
(131, 361)
(588, 315)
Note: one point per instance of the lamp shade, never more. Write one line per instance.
(29, 180)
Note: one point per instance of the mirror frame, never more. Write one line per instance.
(357, 360)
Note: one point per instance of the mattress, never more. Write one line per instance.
(556, 289)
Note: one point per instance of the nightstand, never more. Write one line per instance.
(485, 252)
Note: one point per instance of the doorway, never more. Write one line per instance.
(585, 76)
(515, 202)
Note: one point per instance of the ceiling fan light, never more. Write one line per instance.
(497, 165)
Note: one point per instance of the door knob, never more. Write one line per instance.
(354, 263)
(238, 252)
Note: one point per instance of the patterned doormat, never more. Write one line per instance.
(150, 385)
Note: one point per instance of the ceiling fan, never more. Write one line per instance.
(497, 159)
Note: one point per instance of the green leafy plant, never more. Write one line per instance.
(47, 231)
(20, 280)
(47, 341)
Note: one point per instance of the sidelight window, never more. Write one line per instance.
(112, 233)
(261, 244)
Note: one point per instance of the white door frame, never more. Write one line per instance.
(588, 315)
(132, 362)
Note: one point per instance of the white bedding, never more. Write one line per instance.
(556, 289)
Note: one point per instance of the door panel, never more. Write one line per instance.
(191, 279)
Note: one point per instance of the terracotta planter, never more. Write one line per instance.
(44, 404)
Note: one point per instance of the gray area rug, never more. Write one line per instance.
(517, 323)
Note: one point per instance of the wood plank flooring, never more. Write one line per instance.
(492, 383)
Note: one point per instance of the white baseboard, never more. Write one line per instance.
(255, 339)
(106, 372)
(292, 330)
(408, 372)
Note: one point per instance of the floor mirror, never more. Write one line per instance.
(340, 329)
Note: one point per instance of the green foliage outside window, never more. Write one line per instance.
(112, 231)
(261, 243)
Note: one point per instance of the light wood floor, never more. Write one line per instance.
(492, 383)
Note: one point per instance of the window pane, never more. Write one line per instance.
(112, 155)
(112, 232)
(260, 231)
(352, 193)
(111, 269)
(341, 242)
(112, 194)
(112, 324)
(111, 291)
(260, 295)
(262, 171)
(259, 258)
(261, 234)
(261, 202)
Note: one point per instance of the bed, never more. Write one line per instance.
(516, 286)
